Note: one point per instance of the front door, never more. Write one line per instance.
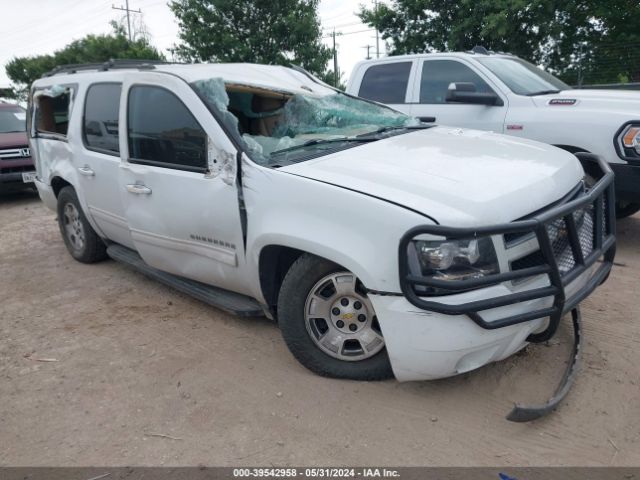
(433, 80)
(182, 219)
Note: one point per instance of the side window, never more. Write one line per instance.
(163, 132)
(386, 83)
(438, 74)
(101, 110)
(52, 114)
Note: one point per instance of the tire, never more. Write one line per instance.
(626, 209)
(81, 240)
(306, 292)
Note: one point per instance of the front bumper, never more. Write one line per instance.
(426, 345)
(627, 181)
(433, 337)
(14, 179)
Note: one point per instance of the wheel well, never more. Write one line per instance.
(274, 263)
(588, 167)
(57, 184)
(572, 149)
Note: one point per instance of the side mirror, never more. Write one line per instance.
(465, 92)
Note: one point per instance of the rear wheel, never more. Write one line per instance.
(329, 323)
(81, 240)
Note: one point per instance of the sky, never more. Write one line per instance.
(35, 27)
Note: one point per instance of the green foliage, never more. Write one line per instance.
(279, 32)
(592, 39)
(91, 49)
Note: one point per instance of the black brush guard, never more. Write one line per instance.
(599, 199)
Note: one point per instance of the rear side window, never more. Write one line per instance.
(52, 113)
(163, 132)
(438, 74)
(101, 110)
(386, 83)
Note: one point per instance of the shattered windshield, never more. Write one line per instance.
(280, 128)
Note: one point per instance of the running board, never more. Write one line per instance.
(230, 302)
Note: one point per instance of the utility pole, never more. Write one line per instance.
(368, 47)
(335, 60)
(377, 35)
(128, 10)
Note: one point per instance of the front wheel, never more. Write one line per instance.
(626, 209)
(329, 323)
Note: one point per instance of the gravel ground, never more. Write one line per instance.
(101, 366)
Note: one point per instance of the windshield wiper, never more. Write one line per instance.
(391, 129)
(542, 92)
(322, 142)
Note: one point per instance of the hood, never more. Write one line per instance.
(609, 100)
(13, 139)
(458, 177)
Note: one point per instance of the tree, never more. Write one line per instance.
(586, 38)
(91, 49)
(279, 32)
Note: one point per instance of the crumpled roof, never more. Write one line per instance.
(272, 77)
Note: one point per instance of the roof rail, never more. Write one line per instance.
(111, 64)
(479, 49)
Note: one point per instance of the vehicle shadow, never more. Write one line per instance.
(15, 197)
(628, 232)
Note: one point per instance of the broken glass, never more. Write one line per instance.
(270, 123)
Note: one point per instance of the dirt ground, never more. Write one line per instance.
(146, 376)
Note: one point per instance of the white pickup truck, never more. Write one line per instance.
(381, 245)
(503, 93)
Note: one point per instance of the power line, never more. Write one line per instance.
(59, 33)
(343, 25)
(350, 33)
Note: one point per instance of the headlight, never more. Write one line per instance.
(630, 138)
(451, 260)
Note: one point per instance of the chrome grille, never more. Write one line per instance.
(16, 153)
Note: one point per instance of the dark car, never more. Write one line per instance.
(16, 165)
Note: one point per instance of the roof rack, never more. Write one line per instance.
(112, 64)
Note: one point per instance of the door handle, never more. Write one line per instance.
(427, 119)
(138, 189)
(86, 171)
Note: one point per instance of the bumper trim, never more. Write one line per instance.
(527, 413)
(603, 247)
(13, 177)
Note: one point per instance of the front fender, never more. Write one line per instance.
(357, 231)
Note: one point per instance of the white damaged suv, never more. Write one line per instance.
(383, 246)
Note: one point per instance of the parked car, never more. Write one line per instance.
(16, 165)
(381, 245)
(503, 93)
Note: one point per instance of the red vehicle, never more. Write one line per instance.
(16, 165)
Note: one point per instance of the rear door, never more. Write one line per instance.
(183, 218)
(99, 162)
(433, 80)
